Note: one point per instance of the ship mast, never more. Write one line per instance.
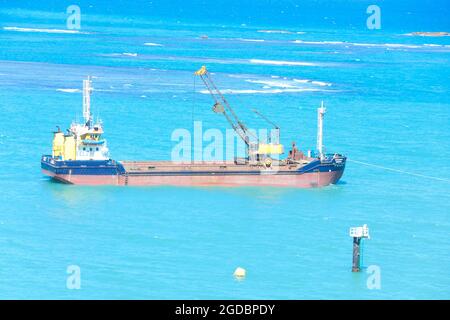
(221, 105)
(87, 89)
(320, 113)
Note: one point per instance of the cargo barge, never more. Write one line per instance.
(81, 156)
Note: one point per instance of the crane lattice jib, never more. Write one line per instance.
(219, 98)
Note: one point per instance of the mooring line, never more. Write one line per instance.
(400, 171)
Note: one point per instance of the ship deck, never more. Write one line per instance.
(205, 166)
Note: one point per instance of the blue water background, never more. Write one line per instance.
(387, 100)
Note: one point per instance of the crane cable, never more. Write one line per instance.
(193, 105)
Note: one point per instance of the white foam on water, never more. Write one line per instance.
(396, 45)
(238, 76)
(318, 42)
(365, 44)
(321, 83)
(273, 83)
(276, 31)
(281, 63)
(315, 82)
(152, 44)
(130, 54)
(18, 29)
(302, 80)
(272, 91)
(356, 44)
(251, 40)
(387, 45)
(69, 90)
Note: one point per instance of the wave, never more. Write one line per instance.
(282, 63)
(321, 83)
(302, 80)
(314, 82)
(43, 30)
(152, 44)
(237, 76)
(271, 91)
(318, 42)
(274, 85)
(276, 31)
(251, 40)
(130, 54)
(279, 84)
(395, 45)
(428, 34)
(356, 44)
(127, 54)
(69, 90)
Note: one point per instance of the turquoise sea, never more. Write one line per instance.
(388, 110)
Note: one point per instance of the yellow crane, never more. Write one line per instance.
(222, 106)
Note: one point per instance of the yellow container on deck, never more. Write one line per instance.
(58, 144)
(269, 148)
(69, 148)
(64, 146)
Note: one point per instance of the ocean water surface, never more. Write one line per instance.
(388, 110)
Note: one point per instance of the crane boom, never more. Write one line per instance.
(221, 105)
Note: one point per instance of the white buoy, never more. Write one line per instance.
(239, 272)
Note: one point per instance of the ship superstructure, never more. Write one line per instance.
(82, 141)
(81, 156)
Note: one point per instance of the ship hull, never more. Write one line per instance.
(306, 180)
(314, 175)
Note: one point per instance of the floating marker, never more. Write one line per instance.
(239, 272)
(358, 233)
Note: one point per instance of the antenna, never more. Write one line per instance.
(87, 89)
(320, 113)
